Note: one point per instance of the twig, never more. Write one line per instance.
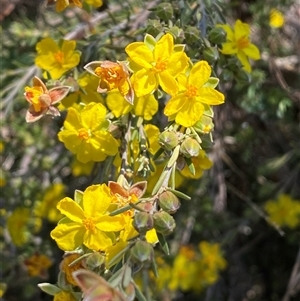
(254, 207)
(294, 282)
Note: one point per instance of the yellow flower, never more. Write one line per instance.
(41, 100)
(37, 265)
(238, 42)
(17, 224)
(67, 269)
(276, 18)
(156, 64)
(201, 163)
(285, 211)
(55, 59)
(47, 207)
(87, 222)
(144, 106)
(85, 134)
(94, 3)
(189, 104)
(112, 76)
(3, 287)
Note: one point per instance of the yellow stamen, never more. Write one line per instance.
(59, 57)
(83, 134)
(160, 66)
(113, 76)
(191, 91)
(243, 42)
(89, 224)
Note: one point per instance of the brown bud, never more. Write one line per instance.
(169, 202)
(164, 223)
(190, 148)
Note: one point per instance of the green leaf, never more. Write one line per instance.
(163, 243)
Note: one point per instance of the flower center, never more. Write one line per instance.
(83, 134)
(160, 66)
(89, 224)
(33, 94)
(243, 42)
(59, 57)
(113, 76)
(191, 91)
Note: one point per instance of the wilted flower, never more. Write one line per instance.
(41, 100)
(37, 265)
(112, 76)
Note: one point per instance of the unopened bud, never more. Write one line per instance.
(142, 252)
(190, 148)
(168, 140)
(191, 34)
(217, 35)
(226, 75)
(164, 11)
(142, 222)
(164, 223)
(243, 77)
(168, 202)
(211, 55)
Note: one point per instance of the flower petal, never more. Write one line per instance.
(168, 82)
(175, 104)
(252, 51)
(110, 223)
(71, 210)
(241, 30)
(244, 60)
(46, 45)
(210, 96)
(96, 200)
(163, 48)
(58, 93)
(190, 113)
(68, 236)
(144, 82)
(200, 74)
(177, 63)
(140, 54)
(229, 32)
(229, 48)
(96, 241)
(93, 115)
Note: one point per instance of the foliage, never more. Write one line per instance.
(150, 150)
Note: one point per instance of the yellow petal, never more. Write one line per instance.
(190, 113)
(210, 96)
(229, 48)
(46, 45)
(241, 30)
(71, 210)
(110, 223)
(177, 63)
(168, 82)
(96, 241)
(151, 236)
(175, 104)
(252, 51)
(200, 74)
(68, 47)
(93, 115)
(229, 32)
(164, 47)
(244, 60)
(146, 106)
(68, 236)
(96, 200)
(140, 54)
(117, 103)
(144, 82)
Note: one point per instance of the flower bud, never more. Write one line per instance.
(164, 11)
(226, 75)
(168, 140)
(243, 77)
(217, 35)
(142, 222)
(164, 223)
(191, 34)
(142, 252)
(190, 148)
(211, 54)
(168, 202)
